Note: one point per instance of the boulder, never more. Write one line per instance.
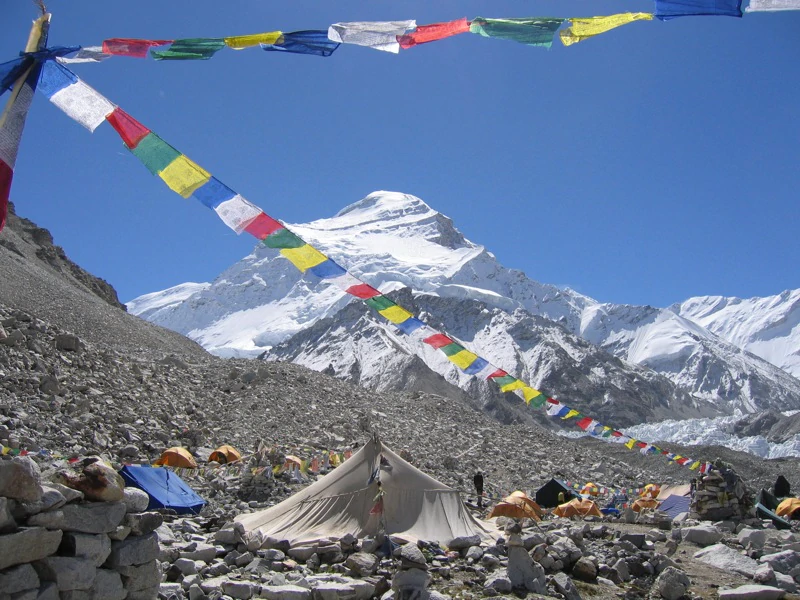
(722, 557)
(702, 535)
(672, 583)
(27, 545)
(752, 592)
(20, 479)
(68, 573)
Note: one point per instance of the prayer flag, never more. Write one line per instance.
(772, 5)
(129, 47)
(430, 33)
(73, 96)
(240, 42)
(582, 29)
(190, 49)
(669, 9)
(312, 42)
(380, 35)
(534, 31)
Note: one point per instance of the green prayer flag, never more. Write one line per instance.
(533, 31)
(190, 49)
(284, 239)
(379, 303)
(155, 153)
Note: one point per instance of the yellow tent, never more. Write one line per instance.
(591, 489)
(225, 454)
(789, 508)
(176, 457)
(577, 507)
(644, 502)
(517, 506)
(651, 490)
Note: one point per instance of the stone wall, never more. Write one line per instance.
(57, 545)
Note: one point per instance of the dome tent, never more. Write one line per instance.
(373, 491)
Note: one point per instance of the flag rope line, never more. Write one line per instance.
(185, 177)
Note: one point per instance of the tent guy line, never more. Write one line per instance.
(89, 108)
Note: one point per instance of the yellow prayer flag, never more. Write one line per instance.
(184, 176)
(583, 28)
(514, 385)
(304, 257)
(238, 42)
(530, 393)
(463, 358)
(396, 314)
(630, 444)
(572, 413)
(695, 465)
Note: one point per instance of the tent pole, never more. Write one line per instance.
(37, 39)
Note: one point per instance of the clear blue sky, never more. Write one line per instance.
(652, 163)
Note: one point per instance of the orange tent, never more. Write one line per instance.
(651, 489)
(517, 506)
(580, 507)
(176, 457)
(643, 502)
(225, 454)
(789, 508)
(591, 489)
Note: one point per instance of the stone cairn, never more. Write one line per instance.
(95, 542)
(721, 494)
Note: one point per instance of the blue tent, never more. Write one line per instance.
(675, 505)
(165, 488)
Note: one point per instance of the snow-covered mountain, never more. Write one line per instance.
(682, 361)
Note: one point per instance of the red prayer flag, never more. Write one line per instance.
(433, 32)
(262, 226)
(6, 173)
(438, 340)
(130, 47)
(129, 129)
(362, 291)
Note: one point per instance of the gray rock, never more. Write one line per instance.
(672, 583)
(362, 563)
(782, 562)
(27, 545)
(68, 573)
(463, 542)
(285, 592)
(140, 577)
(143, 523)
(135, 500)
(702, 535)
(95, 548)
(18, 579)
(108, 586)
(20, 479)
(585, 570)
(752, 592)
(499, 582)
(725, 558)
(133, 551)
(565, 587)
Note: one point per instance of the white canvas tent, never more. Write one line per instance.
(415, 505)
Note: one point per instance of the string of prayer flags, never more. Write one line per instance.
(187, 178)
(130, 47)
(312, 42)
(431, 33)
(670, 9)
(533, 31)
(240, 42)
(581, 29)
(772, 5)
(380, 35)
(190, 49)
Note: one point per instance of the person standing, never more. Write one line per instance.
(478, 481)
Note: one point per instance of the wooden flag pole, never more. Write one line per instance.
(37, 39)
